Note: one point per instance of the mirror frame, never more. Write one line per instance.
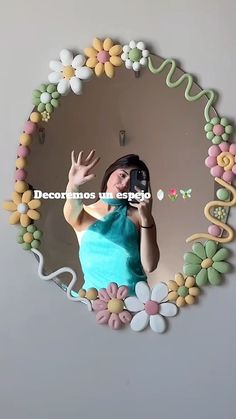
(204, 264)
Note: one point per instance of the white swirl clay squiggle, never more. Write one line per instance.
(58, 272)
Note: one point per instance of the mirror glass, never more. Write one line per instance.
(161, 126)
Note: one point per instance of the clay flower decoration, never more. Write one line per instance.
(23, 208)
(29, 237)
(222, 161)
(219, 213)
(110, 306)
(207, 263)
(172, 194)
(135, 55)
(183, 290)
(46, 98)
(69, 72)
(150, 307)
(218, 130)
(103, 56)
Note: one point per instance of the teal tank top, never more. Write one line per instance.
(110, 250)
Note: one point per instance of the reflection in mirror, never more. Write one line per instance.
(127, 115)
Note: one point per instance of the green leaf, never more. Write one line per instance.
(199, 250)
(191, 269)
(202, 277)
(211, 248)
(222, 254)
(222, 267)
(190, 257)
(214, 276)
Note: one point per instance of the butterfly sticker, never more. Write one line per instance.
(186, 194)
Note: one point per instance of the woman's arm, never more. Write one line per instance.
(79, 174)
(149, 250)
(72, 207)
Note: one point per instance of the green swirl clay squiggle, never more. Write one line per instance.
(210, 94)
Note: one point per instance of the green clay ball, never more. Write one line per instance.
(217, 139)
(223, 194)
(36, 93)
(19, 239)
(42, 88)
(31, 228)
(208, 127)
(215, 120)
(51, 88)
(41, 107)
(49, 107)
(210, 135)
(135, 54)
(37, 234)
(225, 136)
(182, 291)
(36, 101)
(55, 103)
(22, 230)
(35, 244)
(224, 121)
(56, 95)
(229, 129)
(26, 246)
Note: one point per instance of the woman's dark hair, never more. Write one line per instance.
(125, 161)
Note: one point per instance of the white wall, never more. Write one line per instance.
(55, 362)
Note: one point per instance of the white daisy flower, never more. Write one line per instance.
(150, 306)
(135, 55)
(69, 72)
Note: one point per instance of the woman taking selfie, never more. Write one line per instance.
(117, 238)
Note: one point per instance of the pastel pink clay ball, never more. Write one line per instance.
(20, 174)
(103, 56)
(228, 176)
(214, 230)
(151, 307)
(30, 127)
(214, 150)
(218, 129)
(23, 151)
(217, 171)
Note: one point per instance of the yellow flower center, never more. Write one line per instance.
(225, 160)
(68, 72)
(115, 305)
(206, 263)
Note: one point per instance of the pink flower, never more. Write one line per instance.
(222, 161)
(110, 306)
(172, 192)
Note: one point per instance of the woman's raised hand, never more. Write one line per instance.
(80, 170)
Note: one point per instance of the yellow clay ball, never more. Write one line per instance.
(28, 237)
(194, 291)
(190, 281)
(91, 294)
(21, 186)
(180, 302)
(82, 293)
(25, 139)
(189, 299)
(172, 296)
(115, 305)
(172, 285)
(21, 163)
(35, 117)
